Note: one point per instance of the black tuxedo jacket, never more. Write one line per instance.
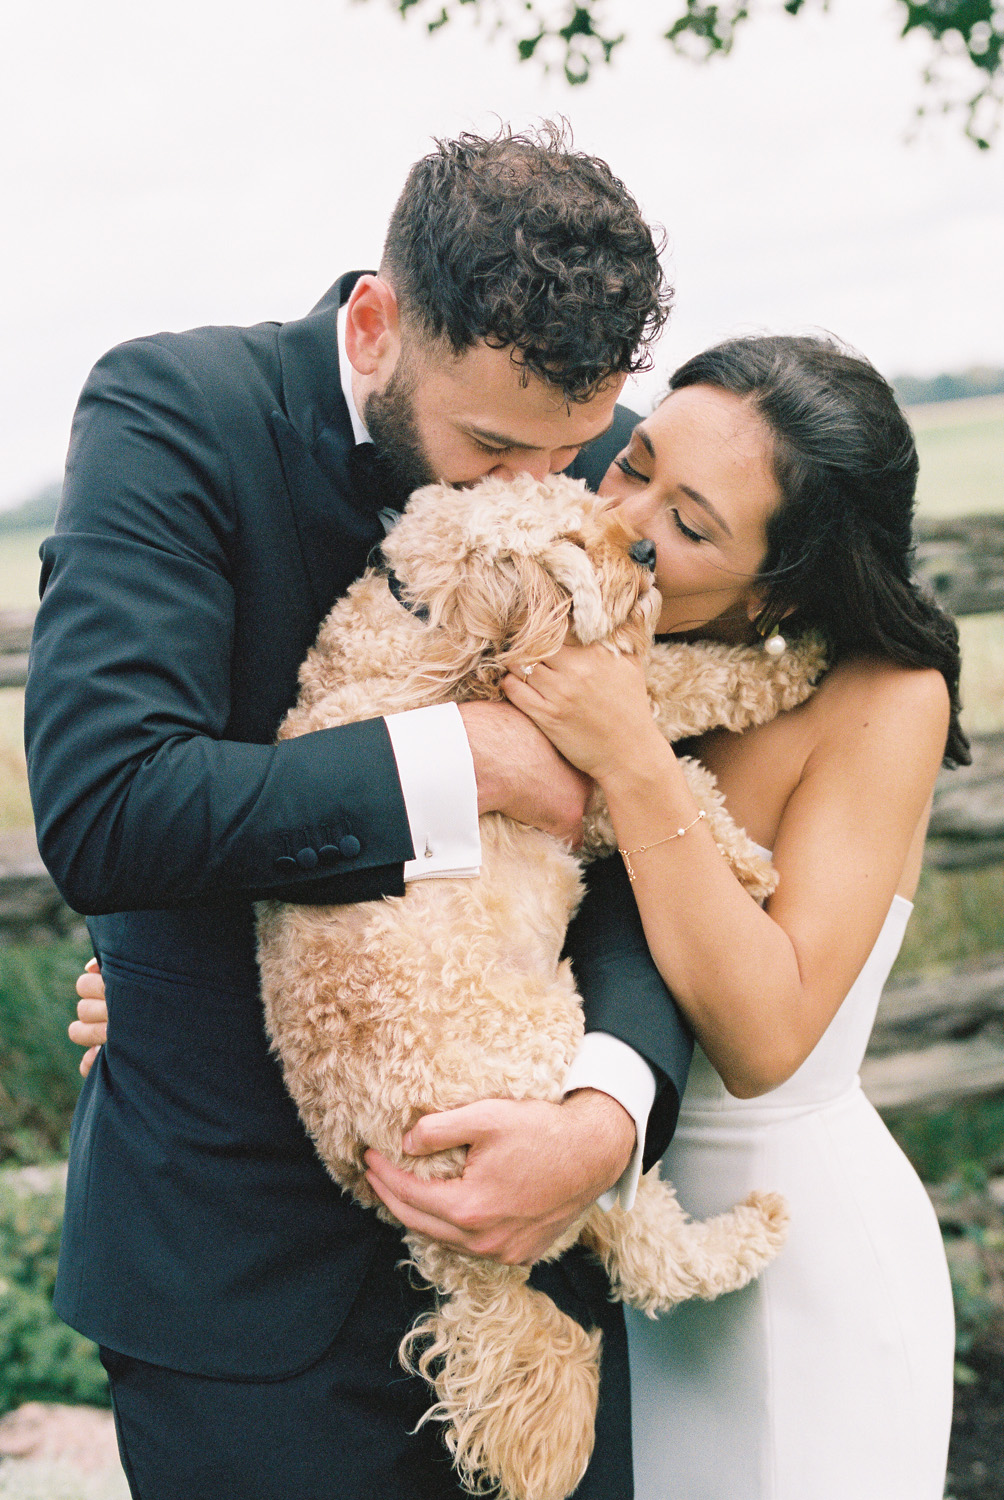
(211, 516)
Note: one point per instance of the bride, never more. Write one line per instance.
(777, 482)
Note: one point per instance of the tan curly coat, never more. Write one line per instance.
(387, 1010)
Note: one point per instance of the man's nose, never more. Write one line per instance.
(537, 465)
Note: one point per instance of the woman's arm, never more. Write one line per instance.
(759, 986)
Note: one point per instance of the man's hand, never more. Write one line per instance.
(532, 1168)
(520, 773)
(90, 1029)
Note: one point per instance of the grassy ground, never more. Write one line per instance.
(38, 1062)
(15, 805)
(961, 446)
(958, 914)
(19, 567)
(982, 641)
(956, 1142)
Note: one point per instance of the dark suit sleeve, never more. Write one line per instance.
(595, 458)
(140, 800)
(624, 993)
(622, 990)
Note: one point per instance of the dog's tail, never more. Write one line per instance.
(516, 1381)
(657, 1256)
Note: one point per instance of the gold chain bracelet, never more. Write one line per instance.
(627, 853)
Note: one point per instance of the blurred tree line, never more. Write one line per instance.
(913, 391)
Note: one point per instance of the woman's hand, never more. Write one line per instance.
(592, 705)
(90, 1029)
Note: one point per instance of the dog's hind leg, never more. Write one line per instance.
(657, 1256)
(516, 1380)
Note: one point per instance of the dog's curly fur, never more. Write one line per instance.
(388, 1010)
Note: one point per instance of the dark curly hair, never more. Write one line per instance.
(529, 245)
(840, 546)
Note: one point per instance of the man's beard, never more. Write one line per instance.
(390, 421)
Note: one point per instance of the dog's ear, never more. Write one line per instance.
(568, 563)
(511, 605)
(494, 614)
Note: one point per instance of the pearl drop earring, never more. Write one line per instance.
(775, 643)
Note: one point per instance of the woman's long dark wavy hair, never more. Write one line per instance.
(840, 546)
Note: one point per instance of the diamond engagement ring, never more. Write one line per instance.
(527, 671)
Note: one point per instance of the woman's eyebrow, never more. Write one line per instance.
(695, 495)
(643, 438)
(706, 505)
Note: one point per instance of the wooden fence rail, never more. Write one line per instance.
(936, 1040)
(15, 638)
(963, 561)
(939, 1040)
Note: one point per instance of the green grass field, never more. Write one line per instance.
(15, 806)
(961, 447)
(19, 568)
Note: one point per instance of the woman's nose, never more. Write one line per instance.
(643, 553)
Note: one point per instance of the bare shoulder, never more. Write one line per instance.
(865, 698)
(869, 723)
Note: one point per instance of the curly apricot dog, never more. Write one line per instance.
(387, 1010)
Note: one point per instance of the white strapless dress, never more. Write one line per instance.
(830, 1377)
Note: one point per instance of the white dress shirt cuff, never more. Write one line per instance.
(440, 791)
(606, 1063)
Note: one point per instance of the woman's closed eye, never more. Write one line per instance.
(628, 468)
(681, 526)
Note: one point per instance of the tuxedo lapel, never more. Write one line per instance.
(335, 538)
(311, 381)
(334, 508)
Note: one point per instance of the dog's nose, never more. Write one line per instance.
(643, 553)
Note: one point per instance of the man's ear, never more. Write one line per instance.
(373, 330)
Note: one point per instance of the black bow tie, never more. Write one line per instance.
(372, 485)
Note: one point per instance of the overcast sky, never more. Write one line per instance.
(214, 161)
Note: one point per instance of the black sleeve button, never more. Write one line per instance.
(349, 845)
(307, 859)
(284, 862)
(330, 854)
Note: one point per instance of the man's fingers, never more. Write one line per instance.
(92, 1011)
(435, 1198)
(87, 1061)
(412, 1218)
(451, 1127)
(92, 966)
(86, 1034)
(499, 1242)
(90, 986)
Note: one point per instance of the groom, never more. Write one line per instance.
(224, 487)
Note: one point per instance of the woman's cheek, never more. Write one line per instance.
(610, 487)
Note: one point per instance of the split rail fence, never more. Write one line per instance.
(937, 1040)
